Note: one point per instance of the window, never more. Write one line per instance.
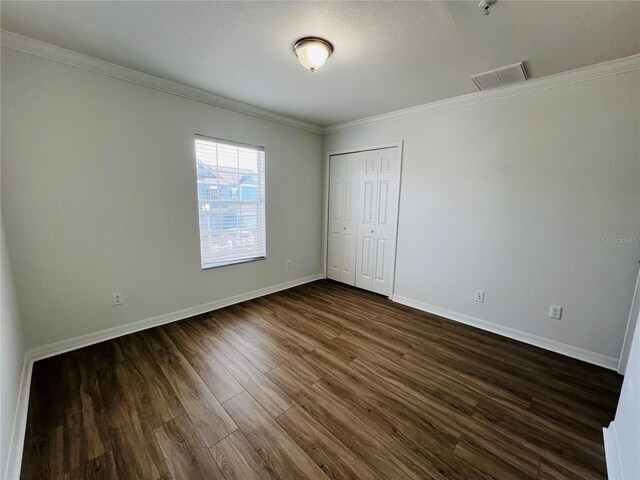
(230, 202)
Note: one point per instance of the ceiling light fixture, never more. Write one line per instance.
(485, 6)
(312, 52)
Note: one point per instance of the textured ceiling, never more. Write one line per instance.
(388, 55)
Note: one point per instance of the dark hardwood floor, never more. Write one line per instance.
(318, 381)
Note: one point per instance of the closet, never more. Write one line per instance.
(364, 190)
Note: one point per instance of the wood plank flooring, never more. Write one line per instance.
(320, 381)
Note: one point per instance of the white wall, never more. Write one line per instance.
(99, 189)
(622, 438)
(12, 350)
(514, 196)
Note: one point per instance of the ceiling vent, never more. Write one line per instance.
(500, 76)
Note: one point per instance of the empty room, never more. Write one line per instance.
(286, 240)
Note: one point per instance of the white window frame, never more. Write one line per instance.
(260, 203)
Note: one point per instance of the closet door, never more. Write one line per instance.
(366, 220)
(336, 191)
(386, 219)
(350, 217)
(343, 204)
(377, 219)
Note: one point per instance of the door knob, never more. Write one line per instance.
(344, 228)
(371, 231)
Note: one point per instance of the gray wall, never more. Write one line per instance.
(99, 188)
(515, 197)
(12, 349)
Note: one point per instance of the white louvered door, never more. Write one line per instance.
(363, 209)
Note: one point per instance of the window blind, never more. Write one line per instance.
(231, 201)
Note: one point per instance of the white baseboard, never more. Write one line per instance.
(63, 346)
(562, 348)
(20, 421)
(16, 445)
(612, 453)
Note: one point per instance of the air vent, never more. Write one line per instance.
(500, 76)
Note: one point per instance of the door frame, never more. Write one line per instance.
(325, 201)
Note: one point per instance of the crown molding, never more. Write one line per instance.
(38, 48)
(29, 45)
(600, 70)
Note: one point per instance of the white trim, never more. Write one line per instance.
(613, 67)
(552, 345)
(395, 250)
(325, 194)
(16, 444)
(325, 212)
(68, 57)
(18, 430)
(63, 346)
(632, 324)
(365, 148)
(612, 453)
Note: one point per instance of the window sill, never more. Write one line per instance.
(225, 263)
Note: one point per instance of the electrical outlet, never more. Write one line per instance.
(555, 312)
(479, 297)
(117, 299)
(288, 264)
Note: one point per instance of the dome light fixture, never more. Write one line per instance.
(312, 52)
